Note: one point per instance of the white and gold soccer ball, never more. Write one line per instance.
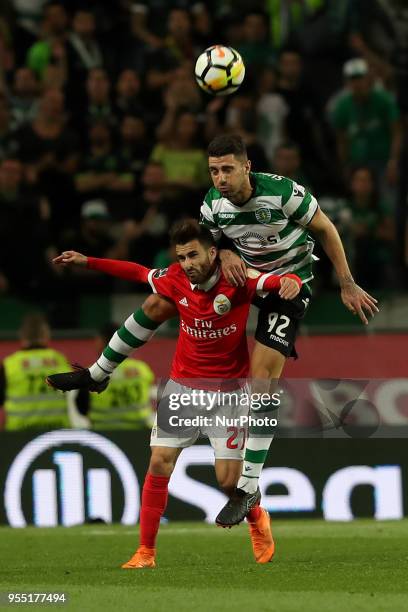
(219, 70)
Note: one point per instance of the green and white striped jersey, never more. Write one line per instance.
(270, 230)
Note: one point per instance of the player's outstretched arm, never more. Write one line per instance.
(70, 259)
(122, 269)
(358, 301)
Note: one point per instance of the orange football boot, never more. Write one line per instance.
(261, 537)
(143, 557)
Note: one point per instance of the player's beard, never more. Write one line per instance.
(236, 195)
(203, 273)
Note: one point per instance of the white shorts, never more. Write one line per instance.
(218, 418)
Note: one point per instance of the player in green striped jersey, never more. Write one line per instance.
(269, 220)
(270, 229)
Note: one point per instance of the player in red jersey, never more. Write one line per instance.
(211, 346)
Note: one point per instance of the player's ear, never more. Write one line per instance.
(248, 166)
(212, 253)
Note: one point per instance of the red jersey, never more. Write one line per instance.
(212, 341)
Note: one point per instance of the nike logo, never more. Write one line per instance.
(248, 468)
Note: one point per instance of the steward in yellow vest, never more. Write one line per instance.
(29, 401)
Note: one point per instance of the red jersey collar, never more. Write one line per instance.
(209, 283)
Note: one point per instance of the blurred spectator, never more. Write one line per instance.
(288, 162)
(373, 231)
(241, 118)
(24, 235)
(49, 147)
(183, 92)
(128, 101)
(103, 174)
(366, 121)
(94, 239)
(202, 24)
(127, 401)
(184, 161)
(288, 19)
(255, 48)
(179, 40)
(47, 142)
(24, 96)
(272, 111)
(305, 119)
(83, 51)
(151, 216)
(28, 15)
(134, 145)
(164, 63)
(51, 47)
(136, 41)
(28, 401)
(8, 141)
(98, 105)
(379, 33)
(6, 52)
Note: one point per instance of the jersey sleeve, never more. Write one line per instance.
(161, 282)
(261, 284)
(127, 270)
(255, 282)
(207, 217)
(300, 206)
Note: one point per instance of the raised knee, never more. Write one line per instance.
(158, 309)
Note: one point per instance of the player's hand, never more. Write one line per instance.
(70, 258)
(289, 288)
(233, 268)
(358, 301)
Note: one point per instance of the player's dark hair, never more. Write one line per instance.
(187, 230)
(227, 144)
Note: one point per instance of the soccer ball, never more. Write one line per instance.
(219, 70)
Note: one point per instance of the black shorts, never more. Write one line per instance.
(278, 321)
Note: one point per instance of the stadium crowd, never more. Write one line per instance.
(103, 129)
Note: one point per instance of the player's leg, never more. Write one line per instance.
(154, 501)
(134, 333)
(266, 368)
(275, 336)
(228, 472)
(166, 445)
(228, 467)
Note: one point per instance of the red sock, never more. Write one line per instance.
(154, 501)
(254, 514)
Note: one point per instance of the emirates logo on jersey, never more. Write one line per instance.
(221, 304)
